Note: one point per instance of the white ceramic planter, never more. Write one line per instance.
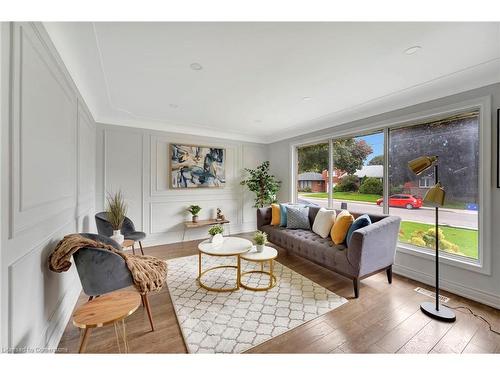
(260, 248)
(118, 237)
(217, 239)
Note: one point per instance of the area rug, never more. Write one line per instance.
(233, 322)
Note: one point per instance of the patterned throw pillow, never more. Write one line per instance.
(283, 212)
(298, 218)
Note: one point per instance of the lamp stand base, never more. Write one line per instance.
(444, 314)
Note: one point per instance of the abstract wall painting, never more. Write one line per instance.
(193, 166)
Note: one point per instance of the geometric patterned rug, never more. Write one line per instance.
(232, 322)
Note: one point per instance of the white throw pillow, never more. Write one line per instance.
(323, 222)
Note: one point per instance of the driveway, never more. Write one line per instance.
(447, 216)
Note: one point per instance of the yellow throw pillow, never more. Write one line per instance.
(341, 226)
(275, 214)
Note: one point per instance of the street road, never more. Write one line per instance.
(447, 216)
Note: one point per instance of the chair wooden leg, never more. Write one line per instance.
(90, 298)
(140, 245)
(84, 339)
(133, 248)
(355, 283)
(148, 310)
(389, 274)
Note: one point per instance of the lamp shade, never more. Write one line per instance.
(435, 195)
(421, 163)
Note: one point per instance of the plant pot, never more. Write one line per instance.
(217, 239)
(195, 218)
(260, 248)
(118, 237)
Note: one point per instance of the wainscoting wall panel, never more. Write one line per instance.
(164, 209)
(48, 185)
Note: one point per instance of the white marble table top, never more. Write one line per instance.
(230, 246)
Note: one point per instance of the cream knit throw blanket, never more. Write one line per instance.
(149, 273)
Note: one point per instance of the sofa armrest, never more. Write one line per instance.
(263, 217)
(373, 247)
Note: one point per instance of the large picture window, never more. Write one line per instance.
(455, 140)
(357, 182)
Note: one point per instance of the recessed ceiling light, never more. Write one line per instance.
(173, 105)
(306, 98)
(196, 66)
(412, 50)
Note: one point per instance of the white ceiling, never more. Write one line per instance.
(255, 75)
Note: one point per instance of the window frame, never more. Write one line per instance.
(483, 104)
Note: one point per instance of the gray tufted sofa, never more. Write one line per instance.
(372, 248)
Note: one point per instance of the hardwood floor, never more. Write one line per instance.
(385, 319)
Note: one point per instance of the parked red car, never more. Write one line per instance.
(403, 200)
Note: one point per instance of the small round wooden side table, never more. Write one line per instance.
(267, 255)
(108, 309)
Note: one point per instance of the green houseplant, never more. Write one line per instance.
(260, 239)
(214, 231)
(194, 210)
(264, 185)
(116, 210)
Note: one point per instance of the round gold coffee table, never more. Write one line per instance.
(267, 255)
(231, 246)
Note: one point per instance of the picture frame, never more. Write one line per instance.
(196, 166)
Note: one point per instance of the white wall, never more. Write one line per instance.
(48, 185)
(136, 161)
(481, 287)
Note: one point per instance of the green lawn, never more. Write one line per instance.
(345, 196)
(465, 239)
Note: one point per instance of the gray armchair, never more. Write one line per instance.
(128, 229)
(102, 271)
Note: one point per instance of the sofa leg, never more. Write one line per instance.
(389, 274)
(355, 283)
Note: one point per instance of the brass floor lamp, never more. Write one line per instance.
(435, 197)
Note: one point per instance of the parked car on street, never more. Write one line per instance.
(403, 200)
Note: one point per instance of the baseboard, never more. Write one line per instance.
(157, 239)
(449, 286)
(60, 318)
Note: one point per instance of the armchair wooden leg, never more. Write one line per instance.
(148, 310)
(83, 340)
(355, 283)
(133, 248)
(140, 245)
(389, 274)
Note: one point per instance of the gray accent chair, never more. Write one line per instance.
(102, 271)
(128, 229)
(372, 248)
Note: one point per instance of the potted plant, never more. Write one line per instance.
(194, 210)
(214, 231)
(260, 239)
(264, 185)
(116, 211)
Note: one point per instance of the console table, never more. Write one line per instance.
(204, 223)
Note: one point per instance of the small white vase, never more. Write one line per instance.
(118, 237)
(217, 239)
(260, 248)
